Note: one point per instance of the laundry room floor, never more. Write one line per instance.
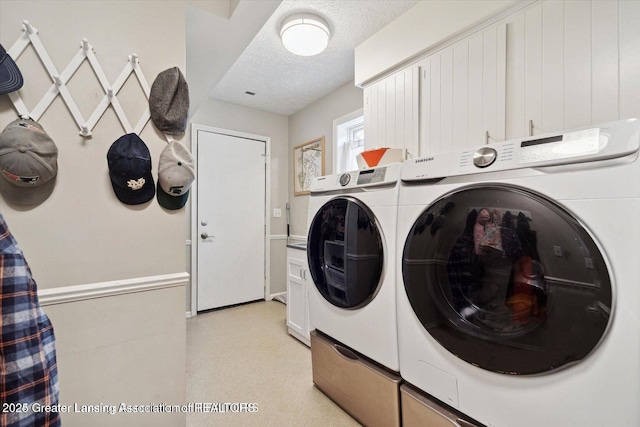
(244, 354)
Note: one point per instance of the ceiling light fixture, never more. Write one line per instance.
(304, 34)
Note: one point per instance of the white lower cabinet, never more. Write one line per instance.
(298, 278)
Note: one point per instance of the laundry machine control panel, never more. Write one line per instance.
(380, 176)
(607, 141)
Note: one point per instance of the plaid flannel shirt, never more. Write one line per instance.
(28, 371)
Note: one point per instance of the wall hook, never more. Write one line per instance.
(85, 45)
(84, 131)
(57, 80)
(28, 27)
(110, 92)
(134, 59)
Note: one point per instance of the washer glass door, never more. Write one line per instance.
(344, 250)
(507, 280)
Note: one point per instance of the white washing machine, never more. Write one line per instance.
(519, 282)
(351, 248)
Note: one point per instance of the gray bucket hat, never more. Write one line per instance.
(169, 102)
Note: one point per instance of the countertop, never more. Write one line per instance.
(301, 245)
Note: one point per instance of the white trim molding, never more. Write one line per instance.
(67, 294)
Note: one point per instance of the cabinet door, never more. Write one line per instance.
(463, 93)
(572, 64)
(391, 112)
(629, 62)
(409, 115)
(296, 296)
(374, 115)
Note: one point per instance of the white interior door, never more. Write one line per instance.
(230, 220)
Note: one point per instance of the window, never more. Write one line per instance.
(348, 141)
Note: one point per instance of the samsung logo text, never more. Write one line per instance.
(425, 159)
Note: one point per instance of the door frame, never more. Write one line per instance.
(195, 129)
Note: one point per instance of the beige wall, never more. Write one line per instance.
(312, 122)
(122, 349)
(82, 237)
(82, 233)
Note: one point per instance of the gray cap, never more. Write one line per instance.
(28, 163)
(169, 102)
(176, 173)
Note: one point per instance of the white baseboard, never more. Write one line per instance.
(276, 294)
(67, 294)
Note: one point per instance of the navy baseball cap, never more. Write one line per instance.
(10, 77)
(129, 162)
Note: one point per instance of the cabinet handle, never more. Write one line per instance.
(345, 352)
(486, 137)
(530, 127)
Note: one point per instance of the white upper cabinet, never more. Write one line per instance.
(462, 93)
(629, 61)
(571, 64)
(391, 112)
(550, 66)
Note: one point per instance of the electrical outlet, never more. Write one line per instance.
(277, 212)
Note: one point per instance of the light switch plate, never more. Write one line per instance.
(277, 213)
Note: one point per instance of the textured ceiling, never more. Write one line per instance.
(284, 83)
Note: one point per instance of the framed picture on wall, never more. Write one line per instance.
(308, 163)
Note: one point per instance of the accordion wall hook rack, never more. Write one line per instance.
(60, 81)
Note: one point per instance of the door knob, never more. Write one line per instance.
(204, 235)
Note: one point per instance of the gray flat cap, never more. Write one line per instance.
(169, 102)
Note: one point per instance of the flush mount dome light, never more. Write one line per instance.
(304, 34)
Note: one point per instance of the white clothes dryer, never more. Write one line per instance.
(519, 282)
(351, 253)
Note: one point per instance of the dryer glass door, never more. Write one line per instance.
(507, 280)
(345, 253)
